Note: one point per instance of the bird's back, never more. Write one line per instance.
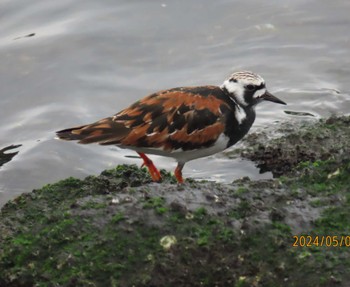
(184, 118)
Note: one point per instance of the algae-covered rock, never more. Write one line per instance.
(327, 138)
(121, 229)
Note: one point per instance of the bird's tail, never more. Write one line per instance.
(71, 134)
(104, 132)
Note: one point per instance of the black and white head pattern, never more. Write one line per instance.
(246, 88)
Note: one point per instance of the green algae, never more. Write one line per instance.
(329, 261)
(69, 250)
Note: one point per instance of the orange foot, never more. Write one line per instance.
(178, 173)
(155, 174)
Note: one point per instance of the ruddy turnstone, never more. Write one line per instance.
(184, 123)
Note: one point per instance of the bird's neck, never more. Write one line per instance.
(238, 124)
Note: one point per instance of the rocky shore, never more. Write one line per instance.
(120, 229)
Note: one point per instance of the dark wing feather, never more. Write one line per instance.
(186, 118)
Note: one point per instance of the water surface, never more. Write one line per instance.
(68, 63)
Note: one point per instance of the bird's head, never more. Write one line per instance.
(248, 89)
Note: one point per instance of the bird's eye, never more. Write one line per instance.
(250, 87)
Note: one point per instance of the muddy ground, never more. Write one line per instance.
(120, 229)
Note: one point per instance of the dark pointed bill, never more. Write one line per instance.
(270, 97)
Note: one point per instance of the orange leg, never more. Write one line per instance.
(155, 174)
(178, 172)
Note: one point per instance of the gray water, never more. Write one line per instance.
(65, 63)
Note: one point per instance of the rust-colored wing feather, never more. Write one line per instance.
(101, 132)
(186, 118)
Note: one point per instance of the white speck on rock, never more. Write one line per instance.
(167, 241)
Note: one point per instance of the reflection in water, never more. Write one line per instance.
(6, 157)
(299, 114)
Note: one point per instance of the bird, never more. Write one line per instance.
(184, 123)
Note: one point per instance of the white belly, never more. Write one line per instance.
(184, 156)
